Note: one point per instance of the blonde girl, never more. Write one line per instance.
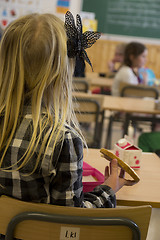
(41, 147)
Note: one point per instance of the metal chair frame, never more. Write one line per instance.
(29, 220)
(76, 220)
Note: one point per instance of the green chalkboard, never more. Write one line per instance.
(139, 18)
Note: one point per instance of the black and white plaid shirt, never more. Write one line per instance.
(58, 180)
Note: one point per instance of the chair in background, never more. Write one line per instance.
(138, 91)
(134, 91)
(90, 116)
(35, 221)
(80, 84)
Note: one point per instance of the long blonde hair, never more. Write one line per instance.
(34, 65)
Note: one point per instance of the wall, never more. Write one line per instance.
(11, 10)
(50, 6)
(103, 50)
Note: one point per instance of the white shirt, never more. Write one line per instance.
(125, 74)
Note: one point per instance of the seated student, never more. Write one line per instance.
(135, 56)
(112, 67)
(117, 59)
(41, 146)
(150, 142)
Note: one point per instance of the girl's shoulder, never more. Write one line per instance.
(70, 131)
(124, 71)
(125, 68)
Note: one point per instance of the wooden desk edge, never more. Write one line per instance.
(137, 203)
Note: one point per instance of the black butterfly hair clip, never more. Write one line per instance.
(77, 41)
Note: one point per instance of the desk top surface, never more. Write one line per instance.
(96, 80)
(125, 104)
(144, 192)
(101, 82)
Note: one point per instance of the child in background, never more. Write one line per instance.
(118, 58)
(150, 142)
(135, 57)
(113, 68)
(41, 146)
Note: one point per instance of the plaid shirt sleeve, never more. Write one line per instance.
(66, 187)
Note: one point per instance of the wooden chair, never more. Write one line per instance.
(81, 84)
(138, 91)
(90, 116)
(134, 91)
(35, 221)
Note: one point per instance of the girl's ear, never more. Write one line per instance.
(131, 57)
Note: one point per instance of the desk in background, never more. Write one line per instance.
(125, 105)
(96, 81)
(130, 106)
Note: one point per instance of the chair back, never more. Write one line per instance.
(89, 113)
(35, 221)
(138, 91)
(81, 84)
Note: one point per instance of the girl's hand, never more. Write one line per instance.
(145, 77)
(111, 66)
(115, 180)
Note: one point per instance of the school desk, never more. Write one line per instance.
(123, 104)
(96, 80)
(146, 191)
(137, 109)
(128, 106)
(101, 82)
